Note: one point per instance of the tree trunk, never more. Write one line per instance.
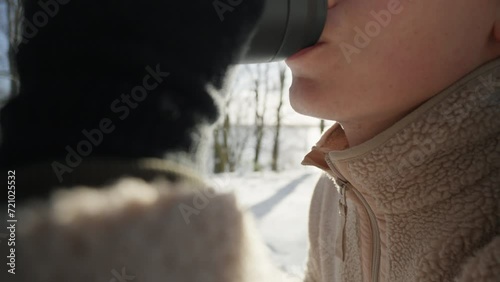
(276, 145)
(226, 147)
(275, 156)
(261, 77)
(219, 163)
(222, 149)
(259, 134)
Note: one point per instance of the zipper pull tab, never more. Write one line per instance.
(340, 243)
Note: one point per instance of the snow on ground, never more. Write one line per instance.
(280, 204)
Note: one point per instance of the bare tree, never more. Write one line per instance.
(221, 149)
(322, 125)
(261, 88)
(240, 135)
(221, 131)
(282, 71)
(230, 139)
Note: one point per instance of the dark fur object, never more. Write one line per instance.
(92, 51)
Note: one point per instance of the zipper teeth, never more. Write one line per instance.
(335, 171)
(373, 221)
(376, 236)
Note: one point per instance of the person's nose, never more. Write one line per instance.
(331, 3)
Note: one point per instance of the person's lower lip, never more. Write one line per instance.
(303, 52)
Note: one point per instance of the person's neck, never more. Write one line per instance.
(360, 131)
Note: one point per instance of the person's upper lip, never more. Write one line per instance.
(333, 3)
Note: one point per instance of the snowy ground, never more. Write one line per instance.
(280, 204)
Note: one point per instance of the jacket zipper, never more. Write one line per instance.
(375, 236)
(340, 244)
(344, 186)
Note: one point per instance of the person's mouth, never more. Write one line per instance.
(304, 51)
(322, 40)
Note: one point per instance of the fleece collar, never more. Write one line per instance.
(452, 125)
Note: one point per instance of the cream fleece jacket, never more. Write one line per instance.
(418, 202)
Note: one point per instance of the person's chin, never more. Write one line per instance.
(304, 97)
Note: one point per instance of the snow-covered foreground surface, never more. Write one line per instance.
(280, 204)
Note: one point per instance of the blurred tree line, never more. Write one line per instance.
(253, 107)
